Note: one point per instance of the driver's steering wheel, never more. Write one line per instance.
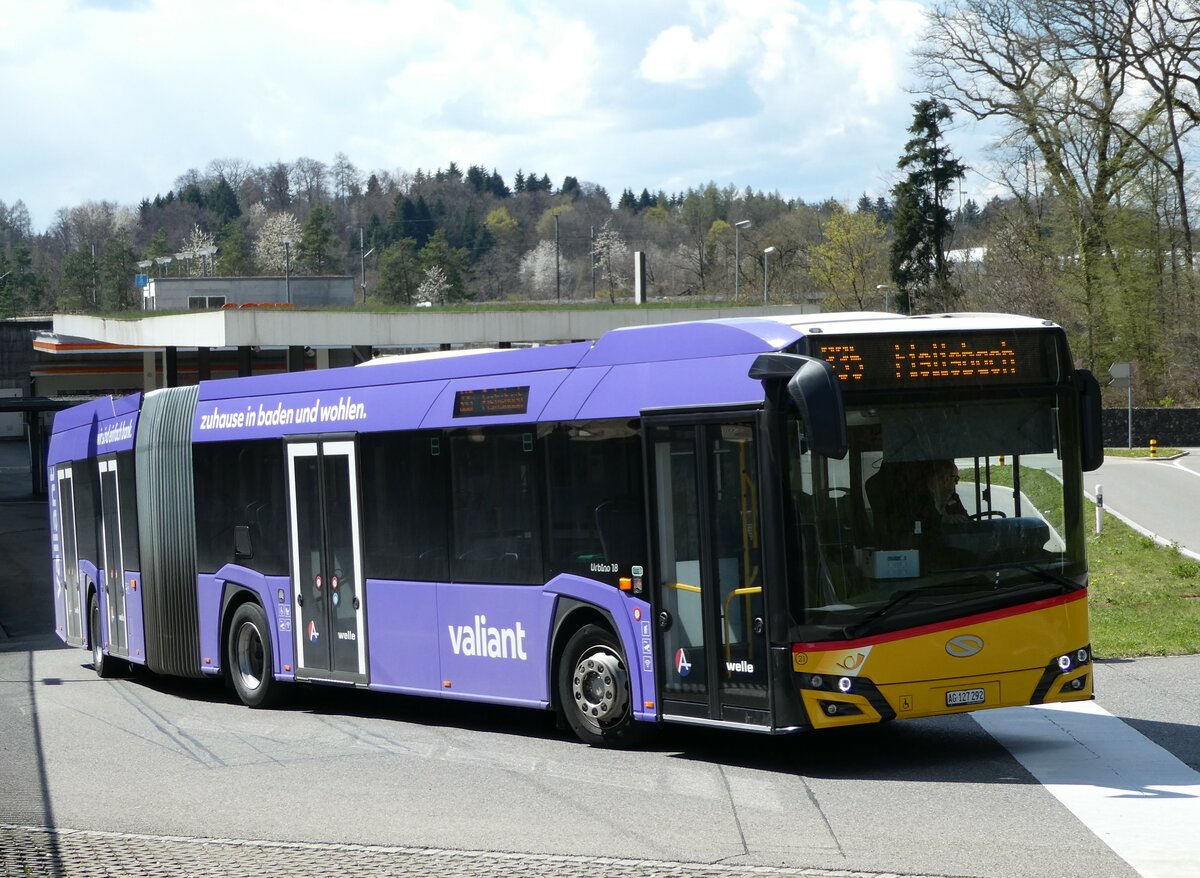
(987, 513)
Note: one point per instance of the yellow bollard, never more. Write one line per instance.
(1154, 448)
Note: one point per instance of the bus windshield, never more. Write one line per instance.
(937, 511)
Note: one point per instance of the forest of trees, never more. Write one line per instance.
(1098, 102)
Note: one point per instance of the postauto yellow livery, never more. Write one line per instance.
(1031, 654)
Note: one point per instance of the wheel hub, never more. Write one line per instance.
(249, 656)
(601, 687)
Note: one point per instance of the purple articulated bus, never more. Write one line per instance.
(706, 522)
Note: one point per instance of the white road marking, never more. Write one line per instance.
(1135, 796)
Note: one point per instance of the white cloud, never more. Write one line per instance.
(115, 100)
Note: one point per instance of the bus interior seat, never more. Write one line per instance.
(889, 492)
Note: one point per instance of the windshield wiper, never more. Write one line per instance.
(902, 597)
(1068, 584)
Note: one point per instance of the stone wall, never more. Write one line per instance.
(1176, 427)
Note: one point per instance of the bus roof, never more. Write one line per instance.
(625, 372)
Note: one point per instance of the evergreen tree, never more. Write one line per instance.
(222, 201)
(316, 242)
(477, 179)
(399, 272)
(158, 246)
(922, 221)
(497, 186)
(451, 261)
(234, 255)
(77, 287)
(117, 268)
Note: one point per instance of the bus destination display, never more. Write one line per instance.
(888, 361)
(492, 401)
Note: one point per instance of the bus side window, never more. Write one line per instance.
(596, 520)
(496, 530)
(405, 486)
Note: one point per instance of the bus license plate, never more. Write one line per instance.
(959, 697)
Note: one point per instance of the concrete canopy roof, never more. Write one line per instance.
(280, 327)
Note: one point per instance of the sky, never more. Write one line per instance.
(113, 100)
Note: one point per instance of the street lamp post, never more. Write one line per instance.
(737, 257)
(766, 253)
(287, 269)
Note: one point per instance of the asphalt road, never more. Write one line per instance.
(144, 757)
(1161, 497)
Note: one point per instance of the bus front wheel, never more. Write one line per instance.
(594, 690)
(251, 662)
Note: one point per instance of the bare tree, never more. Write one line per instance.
(235, 171)
(276, 183)
(1054, 71)
(1164, 45)
(309, 175)
(346, 178)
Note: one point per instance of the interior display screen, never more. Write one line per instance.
(963, 359)
(494, 401)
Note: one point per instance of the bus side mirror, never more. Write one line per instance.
(813, 387)
(243, 548)
(1091, 424)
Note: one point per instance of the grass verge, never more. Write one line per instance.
(1144, 598)
(1141, 452)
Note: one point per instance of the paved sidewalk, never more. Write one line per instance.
(31, 850)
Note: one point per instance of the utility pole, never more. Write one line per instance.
(362, 262)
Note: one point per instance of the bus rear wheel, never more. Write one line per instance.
(251, 661)
(104, 666)
(594, 690)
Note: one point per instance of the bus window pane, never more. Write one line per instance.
(405, 485)
(680, 569)
(496, 530)
(597, 517)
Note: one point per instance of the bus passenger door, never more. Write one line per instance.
(708, 588)
(114, 558)
(68, 574)
(327, 561)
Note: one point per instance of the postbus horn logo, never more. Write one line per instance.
(964, 645)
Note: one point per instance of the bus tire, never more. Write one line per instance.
(594, 691)
(105, 666)
(251, 661)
